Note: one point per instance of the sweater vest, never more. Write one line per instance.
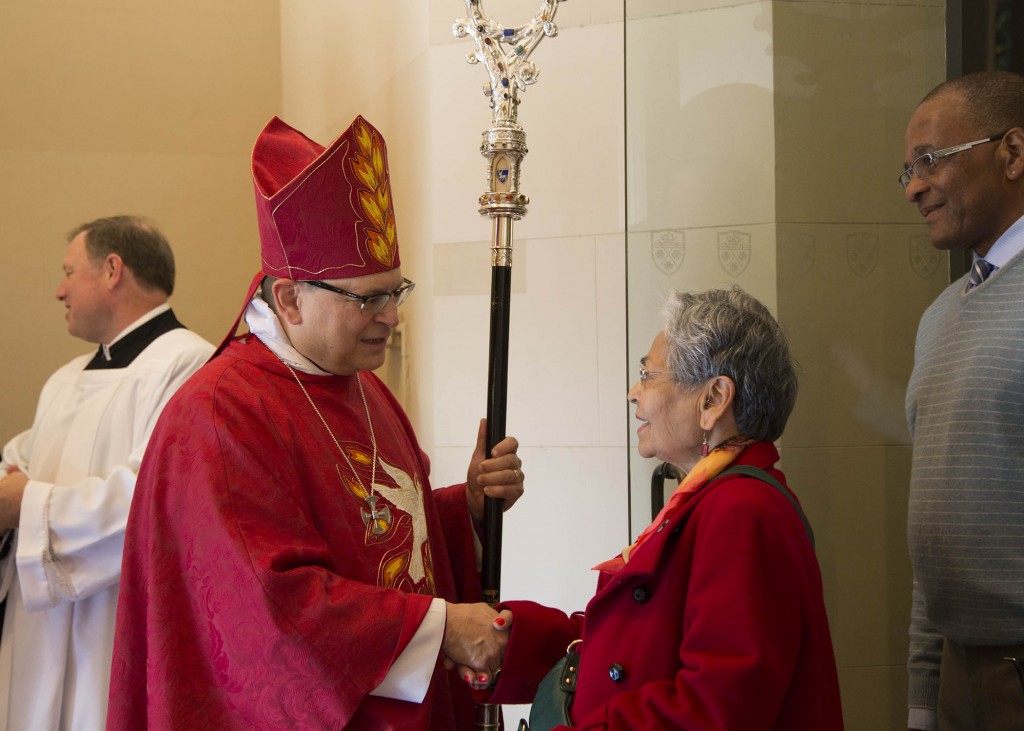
(965, 410)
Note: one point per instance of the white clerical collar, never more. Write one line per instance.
(263, 323)
(1006, 246)
(158, 310)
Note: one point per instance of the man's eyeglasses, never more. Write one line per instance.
(925, 165)
(646, 374)
(372, 303)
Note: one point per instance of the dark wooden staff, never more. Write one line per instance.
(497, 398)
(504, 52)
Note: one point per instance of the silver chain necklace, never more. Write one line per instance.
(377, 516)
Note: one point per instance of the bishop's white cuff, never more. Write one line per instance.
(410, 674)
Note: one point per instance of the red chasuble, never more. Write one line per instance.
(259, 589)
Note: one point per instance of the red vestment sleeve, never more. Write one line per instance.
(458, 534)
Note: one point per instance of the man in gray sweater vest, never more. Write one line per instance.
(964, 169)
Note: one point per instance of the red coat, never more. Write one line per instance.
(717, 623)
(255, 593)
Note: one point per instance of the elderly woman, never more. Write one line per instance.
(713, 618)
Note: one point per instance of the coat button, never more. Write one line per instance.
(641, 595)
(617, 673)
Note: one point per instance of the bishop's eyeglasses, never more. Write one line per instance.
(924, 166)
(372, 303)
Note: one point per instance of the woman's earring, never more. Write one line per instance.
(704, 447)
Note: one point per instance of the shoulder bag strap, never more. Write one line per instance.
(758, 474)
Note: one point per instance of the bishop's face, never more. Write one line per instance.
(84, 292)
(338, 336)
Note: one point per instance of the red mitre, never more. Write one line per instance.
(324, 213)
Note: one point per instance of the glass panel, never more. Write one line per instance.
(763, 144)
(700, 168)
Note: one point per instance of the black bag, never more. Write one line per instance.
(554, 694)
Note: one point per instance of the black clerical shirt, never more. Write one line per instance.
(125, 350)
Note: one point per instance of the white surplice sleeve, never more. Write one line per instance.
(82, 457)
(11, 458)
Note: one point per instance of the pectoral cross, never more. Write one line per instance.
(381, 518)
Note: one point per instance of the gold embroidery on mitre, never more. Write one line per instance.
(375, 196)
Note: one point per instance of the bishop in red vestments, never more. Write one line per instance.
(287, 563)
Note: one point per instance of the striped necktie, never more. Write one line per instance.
(979, 273)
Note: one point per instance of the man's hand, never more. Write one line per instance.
(500, 476)
(473, 642)
(12, 487)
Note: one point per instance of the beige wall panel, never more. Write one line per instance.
(340, 59)
(128, 107)
(855, 273)
(700, 128)
(856, 501)
(847, 77)
(850, 297)
(882, 695)
(138, 78)
(187, 195)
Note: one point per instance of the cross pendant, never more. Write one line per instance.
(377, 516)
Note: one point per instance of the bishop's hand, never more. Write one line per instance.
(499, 476)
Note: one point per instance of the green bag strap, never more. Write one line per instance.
(758, 474)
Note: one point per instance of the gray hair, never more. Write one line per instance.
(993, 101)
(139, 243)
(726, 332)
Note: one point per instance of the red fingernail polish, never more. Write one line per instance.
(482, 678)
(500, 622)
(467, 677)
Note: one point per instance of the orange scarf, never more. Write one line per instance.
(706, 469)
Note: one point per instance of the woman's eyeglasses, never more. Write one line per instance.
(646, 374)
